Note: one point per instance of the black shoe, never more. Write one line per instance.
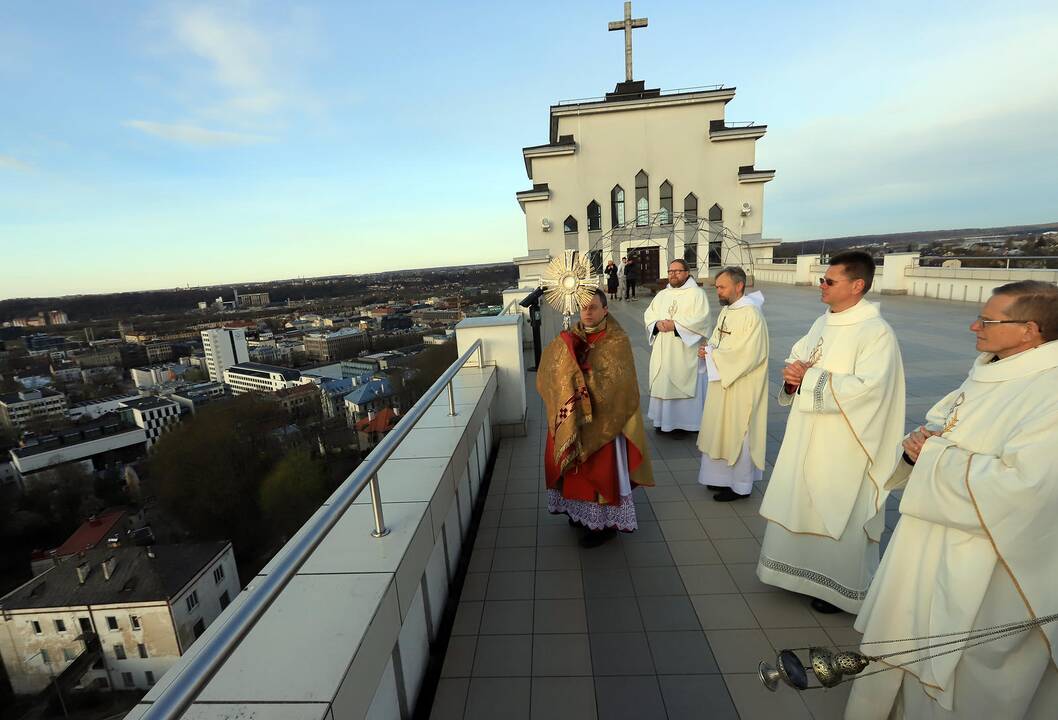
(716, 488)
(595, 538)
(822, 606)
(659, 431)
(729, 495)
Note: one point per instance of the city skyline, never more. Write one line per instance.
(198, 145)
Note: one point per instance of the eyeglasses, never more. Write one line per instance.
(981, 321)
(829, 282)
(678, 272)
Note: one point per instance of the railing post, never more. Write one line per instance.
(376, 507)
(481, 355)
(451, 400)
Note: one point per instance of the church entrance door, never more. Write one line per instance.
(648, 258)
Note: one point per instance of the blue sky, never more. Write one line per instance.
(147, 145)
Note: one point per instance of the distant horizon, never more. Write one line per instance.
(250, 283)
(171, 144)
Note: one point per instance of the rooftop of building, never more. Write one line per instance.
(28, 395)
(371, 390)
(147, 402)
(105, 425)
(102, 400)
(140, 574)
(91, 532)
(264, 371)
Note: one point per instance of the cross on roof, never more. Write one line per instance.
(627, 25)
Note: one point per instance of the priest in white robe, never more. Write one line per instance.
(825, 502)
(677, 321)
(976, 545)
(735, 421)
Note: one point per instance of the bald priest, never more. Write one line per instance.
(977, 542)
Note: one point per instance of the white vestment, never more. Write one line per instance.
(677, 395)
(735, 420)
(825, 502)
(976, 546)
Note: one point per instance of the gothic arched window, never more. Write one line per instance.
(665, 215)
(690, 208)
(642, 199)
(617, 206)
(716, 213)
(594, 216)
(569, 224)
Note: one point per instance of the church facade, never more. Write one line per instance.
(654, 174)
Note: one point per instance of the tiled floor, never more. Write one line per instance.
(670, 621)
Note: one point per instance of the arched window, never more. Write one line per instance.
(716, 213)
(690, 209)
(617, 206)
(665, 215)
(569, 224)
(642, 199)
(594, 216)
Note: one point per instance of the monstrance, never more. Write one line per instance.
(568, 285)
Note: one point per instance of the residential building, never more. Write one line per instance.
(155, 415)
(367, 399)
(126, 614)
(259, 299)
(158, 351)
(97, 356)
(40, 342)
(335, 346)
(92, 444)
(428, 316)
(18, 409)
(90, 534)
(193, 397)
(299, 401)
(101, 374)
(396, 322)
(58, 317)
(66, 372)
(332, 395)
(256, 377)
(224, 347)
(149, 377)
(33, 382)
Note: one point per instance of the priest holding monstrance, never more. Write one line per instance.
(596, 451)
(976, 546)
(676, 322)
(825, 504)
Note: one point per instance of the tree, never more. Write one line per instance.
(295, 488)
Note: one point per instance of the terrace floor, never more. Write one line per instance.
(670, 621)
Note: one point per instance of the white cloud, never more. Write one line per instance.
(192, 135)
(9, 163)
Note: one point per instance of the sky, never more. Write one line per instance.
(165, 144)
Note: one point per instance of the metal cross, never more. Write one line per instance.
(627, 25)
(722, 331)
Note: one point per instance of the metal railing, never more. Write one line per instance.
(664, 93)
(989, 262)
(186, 686)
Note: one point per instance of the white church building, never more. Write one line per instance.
(642, 172)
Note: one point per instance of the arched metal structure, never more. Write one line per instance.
(713, 242)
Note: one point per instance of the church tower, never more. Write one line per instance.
(645, 172)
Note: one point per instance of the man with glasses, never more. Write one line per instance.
(976, 545)
(825, 502)
(676, 321)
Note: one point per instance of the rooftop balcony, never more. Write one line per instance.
(479, 604)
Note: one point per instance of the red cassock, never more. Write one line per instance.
(595, 479)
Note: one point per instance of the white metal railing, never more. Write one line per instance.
(1005, 261)
(193, 677)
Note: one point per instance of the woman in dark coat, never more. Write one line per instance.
(611, 279)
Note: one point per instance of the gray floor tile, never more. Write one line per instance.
(675, 510)
(468, 618)
(629, 698)
(621, 654)
(516, 537)
(782, 610)
(557, 535)
(518, 501)
(738, 551)
(561, 655)
(753, 704)
(673, 612)
(506, 617)
(681, 652)
(706, 507)
(491, 698)
(490, 518)
(480, 560)
(510, 559)
(474, 586)
(560, 616)
(608, 583)
(613, 614)
(682, 530)
(739, 651)
(648, 554)
(449, 702)
(693, 552)
(725, 528)
(518, 518)
(510, 586)
(665, 493)
(503, 656)
(707, 580)
(697, 697)
(558, 584)
(723, 612)
(646, 532)
(557, 558)
(663, 580)
(459, 657)
(558, 698)
(610, 555)
(745, 576)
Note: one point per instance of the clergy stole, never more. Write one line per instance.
(674, 359)
(845, 426)
(982, 495)
(736, 406)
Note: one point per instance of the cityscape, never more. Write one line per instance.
(275, 433)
